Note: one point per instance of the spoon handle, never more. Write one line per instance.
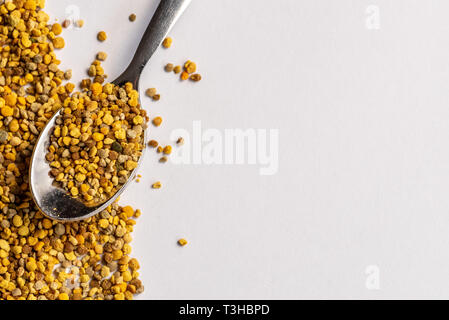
(166, 15)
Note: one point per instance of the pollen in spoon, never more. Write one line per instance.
(97, 141)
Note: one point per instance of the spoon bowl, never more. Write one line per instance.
(56, 203)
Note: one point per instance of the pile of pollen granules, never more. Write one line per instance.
(40, 258)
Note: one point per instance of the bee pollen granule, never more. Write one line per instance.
(102, 36)
(167, 42)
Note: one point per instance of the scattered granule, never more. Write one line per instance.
(184, 75)
(157, 121)
(182, 242)
(180, 141)
(169, 67)
(151, 92)
(190, 67)
(157, 185)
(163, 159)
(68, 74)
(167, 42)
(102, 36)
(66, 23)
(167, 150)
(80, 23)
(102, 56)
(153, 143)
(56, 29)
(59, 43)
(195, 77)
(99, 79)
(156, 97)
(159, 149)
(177, 69)
(132, 17)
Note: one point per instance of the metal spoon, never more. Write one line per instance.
(56, 203)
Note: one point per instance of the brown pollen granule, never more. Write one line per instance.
(195, 77)
(66, 23)
(153, 143)
(169, 67)
(180, 141)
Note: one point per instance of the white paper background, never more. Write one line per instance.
(363, 122)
